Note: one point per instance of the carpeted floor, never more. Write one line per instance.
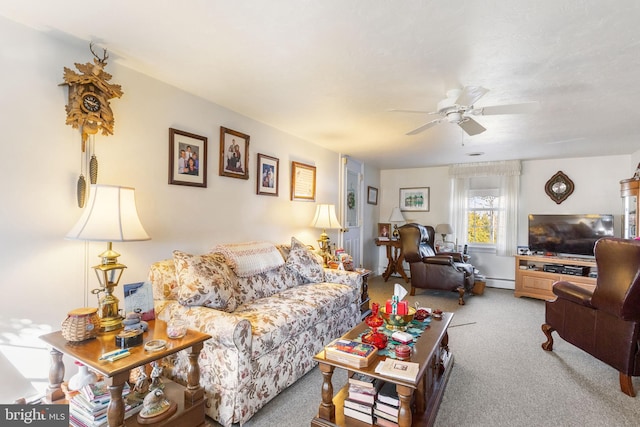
(501, 375)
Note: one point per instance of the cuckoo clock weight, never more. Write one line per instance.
(89, 111)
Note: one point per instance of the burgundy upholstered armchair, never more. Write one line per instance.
(604, 322)
(445, 271)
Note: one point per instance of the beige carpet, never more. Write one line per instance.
(501, 375)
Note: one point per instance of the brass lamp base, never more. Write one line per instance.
(109, 324)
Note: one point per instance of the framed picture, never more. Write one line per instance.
(384, 231)
(234, 154)
(267, 175)
(138, 297)
(187, 158)
(414, 199)
(303, 182)
(372, 195)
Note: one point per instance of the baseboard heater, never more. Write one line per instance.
(495, 282)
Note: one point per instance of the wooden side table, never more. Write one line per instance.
(190, 399)
(395, 257)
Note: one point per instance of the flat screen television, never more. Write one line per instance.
(568, 234)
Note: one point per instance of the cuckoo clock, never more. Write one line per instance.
(88, 108)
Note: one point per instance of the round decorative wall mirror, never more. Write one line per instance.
(559, 187)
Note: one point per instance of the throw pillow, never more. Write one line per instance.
(205, 280)
(302, 261)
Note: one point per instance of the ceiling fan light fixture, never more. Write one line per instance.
(454, 117)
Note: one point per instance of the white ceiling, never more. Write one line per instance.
(329, 71)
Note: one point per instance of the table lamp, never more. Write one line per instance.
(109, 216)
(443, 230)
(324, 218)
(396, 217)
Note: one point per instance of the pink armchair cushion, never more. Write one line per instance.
(302, 261)
(206, 280)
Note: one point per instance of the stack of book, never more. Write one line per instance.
(88, 407)
(351, 353)
(362, 394)
(386, 407)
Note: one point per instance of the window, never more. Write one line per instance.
(484, 204)
(483, 213)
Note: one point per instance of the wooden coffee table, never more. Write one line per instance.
(190, 399)
(431, 353)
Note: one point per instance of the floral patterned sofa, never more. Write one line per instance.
(269, 310)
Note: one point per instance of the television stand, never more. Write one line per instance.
(533, 282)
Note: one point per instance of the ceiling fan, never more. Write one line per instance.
(459, 106)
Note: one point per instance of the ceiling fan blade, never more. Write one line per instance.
(471, 127)
(395, 110)
(524, 108)
(470, 94)
(424, 127)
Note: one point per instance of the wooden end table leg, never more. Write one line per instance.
(115, 410)
(56, 377)
(327, 410)
(404, 415)
(390, 264)
(193, 393)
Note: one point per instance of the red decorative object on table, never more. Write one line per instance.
(374, 321)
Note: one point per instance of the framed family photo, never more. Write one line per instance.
(234, 154)
(267, 176)
(384, 230)
(414, 199)
(372, 195)
(303, 182)
(187, 158)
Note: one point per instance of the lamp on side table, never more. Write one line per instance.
(109, 216)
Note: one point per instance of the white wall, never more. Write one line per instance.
(45, 276)
(597, 190)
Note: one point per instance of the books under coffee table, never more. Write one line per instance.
(418, 398)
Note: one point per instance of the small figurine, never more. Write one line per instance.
(142, 382)
(156, 407)
(156, 372)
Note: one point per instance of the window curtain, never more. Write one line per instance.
(509, 173)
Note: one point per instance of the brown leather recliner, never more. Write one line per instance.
(445, 271)
(604, 322)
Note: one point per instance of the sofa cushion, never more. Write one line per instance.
(304, 262)
(248, 259)
(274, 320)
(265, 284)
(205, 280)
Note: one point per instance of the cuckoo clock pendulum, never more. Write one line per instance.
(88, 110)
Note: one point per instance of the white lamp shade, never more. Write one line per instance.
(110, 216)
(325, 217)
(396, 215)
(444, 229)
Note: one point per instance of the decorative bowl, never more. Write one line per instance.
(397, 322)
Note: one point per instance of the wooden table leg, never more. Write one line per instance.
(327, 410)
(193, 393)
(115, 410)
(399, 267)
(404, 414)
(390, 264)
(56, 377)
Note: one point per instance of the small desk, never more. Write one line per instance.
(190, 399)
(395, 257)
